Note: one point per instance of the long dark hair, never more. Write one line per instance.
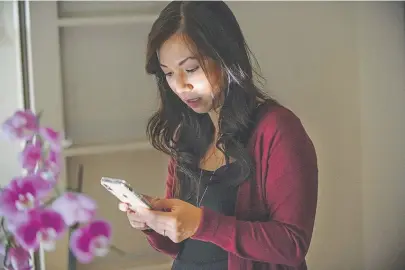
(177, 130)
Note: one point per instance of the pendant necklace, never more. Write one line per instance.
(199, 200)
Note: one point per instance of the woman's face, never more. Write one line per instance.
(186, 77)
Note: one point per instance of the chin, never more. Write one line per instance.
(200, 110)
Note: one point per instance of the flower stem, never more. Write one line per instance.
(3, 229)
(56, 190)
(118, 250)
(8, 245)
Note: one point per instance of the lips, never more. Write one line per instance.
(193, 102)
(192, 99)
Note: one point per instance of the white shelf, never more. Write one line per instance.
(106, 20)
(96, 149)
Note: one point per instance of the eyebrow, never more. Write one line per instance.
(181, 62)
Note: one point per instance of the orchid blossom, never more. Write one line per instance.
(33, 212)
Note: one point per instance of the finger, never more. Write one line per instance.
(162, 229)
(135, 216)
(123, 207)
(171, 234)
(163, 204)
(155, 216)
(126, 207)
(161, 222)
(138, 225)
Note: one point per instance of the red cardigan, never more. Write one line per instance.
(275, 211)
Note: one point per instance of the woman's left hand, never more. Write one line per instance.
(173, 218)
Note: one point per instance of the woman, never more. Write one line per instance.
(241, 192)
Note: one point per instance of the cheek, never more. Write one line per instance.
(201, 84)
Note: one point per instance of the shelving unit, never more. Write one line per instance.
(98, 149)
(105, 20)
(87, 74)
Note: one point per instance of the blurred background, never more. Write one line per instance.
(340, 66)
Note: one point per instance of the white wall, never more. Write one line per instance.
(381, 43)
(340, 66)
(309, 55)
(10, 86)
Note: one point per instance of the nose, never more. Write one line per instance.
(182, 84)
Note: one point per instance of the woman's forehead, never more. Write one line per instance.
(174, 50)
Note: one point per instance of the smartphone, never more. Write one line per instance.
(124, 192)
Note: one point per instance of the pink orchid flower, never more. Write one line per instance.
(92, 240)
(33, 217)
(51, 167)
(31, 156)
(21, 195)
(18, 259)
(47, 175)
(41, 226)
(52, 137)
(53, 163)
(75, 208)
(21, 125)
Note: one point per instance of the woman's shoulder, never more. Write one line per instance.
(275, 119)
(281, 132)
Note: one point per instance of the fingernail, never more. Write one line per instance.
(123, 207)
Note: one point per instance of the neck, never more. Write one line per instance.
(215, 121)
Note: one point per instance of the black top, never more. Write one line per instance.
(219, 196)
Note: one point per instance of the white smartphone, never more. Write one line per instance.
(124, 192)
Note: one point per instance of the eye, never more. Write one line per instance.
(192, 70)
(168, 74)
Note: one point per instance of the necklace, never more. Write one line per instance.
(198, 200)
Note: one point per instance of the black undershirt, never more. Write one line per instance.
(220, 196)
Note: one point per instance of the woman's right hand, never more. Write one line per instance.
(135, 220)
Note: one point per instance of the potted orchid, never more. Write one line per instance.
(33, 212)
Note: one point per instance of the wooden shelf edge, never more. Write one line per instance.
(105, 20)
(82, 150)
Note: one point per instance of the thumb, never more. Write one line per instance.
(150, 199)
(164, 204)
